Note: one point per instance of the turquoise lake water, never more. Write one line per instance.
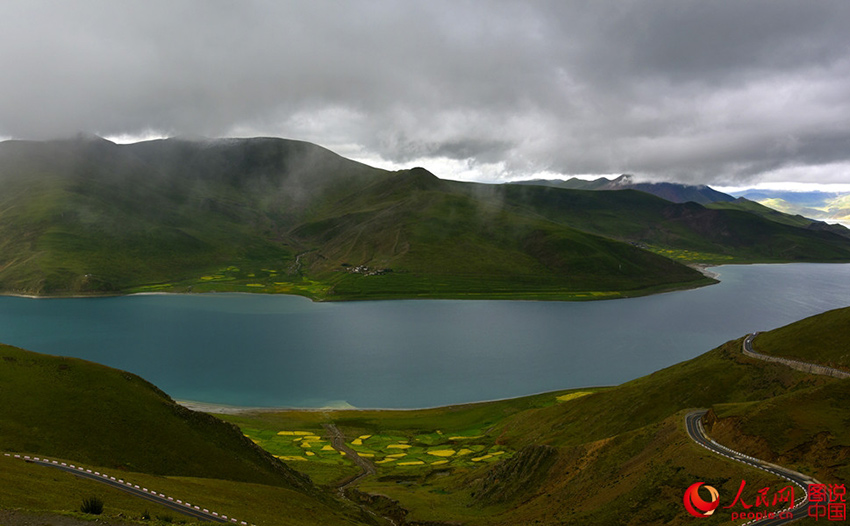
(285, 351)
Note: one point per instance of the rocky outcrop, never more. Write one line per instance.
(516, 476)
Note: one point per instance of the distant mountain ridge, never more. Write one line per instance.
(675, 192)
(822, 206)
(87, 216)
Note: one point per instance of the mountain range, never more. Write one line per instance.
(675, 192)
(87, 216)
(823, 206)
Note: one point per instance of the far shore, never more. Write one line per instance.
(225, 409)
(578, 296)
(703, 268)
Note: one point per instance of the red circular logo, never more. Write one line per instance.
(698, 507)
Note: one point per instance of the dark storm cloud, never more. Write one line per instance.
(719, 91)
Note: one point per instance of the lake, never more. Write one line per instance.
(286, 351)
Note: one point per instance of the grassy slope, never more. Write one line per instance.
(441, 242)
(808, 428)
(61, 403)
(90, 414)
(820, 339)
(40, 489)
(89, 216)
(622, 454)
(756, 208)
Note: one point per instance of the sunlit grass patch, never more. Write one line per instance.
(215, 278)
(411, 463)
(441, 452)
(571, 396)
(479, 459)
(399, 446)
(303, 286)
(154, 288)
(439, 462)
(290, 458)
(688, 255)
(464, 451)
(254, 285)
(357, 442)
(466, 438)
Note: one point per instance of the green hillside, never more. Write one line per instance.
(44, 496)
(822, 339)
(807, 428)
(67, 408)
(756, 208)
(594, 456)
(440, 241)
(86, 216)
(71, 408)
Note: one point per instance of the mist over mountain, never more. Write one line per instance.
(675, 192)
(85, 215)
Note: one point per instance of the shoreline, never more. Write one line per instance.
(703, 269)
(485, 296)
(226, 409)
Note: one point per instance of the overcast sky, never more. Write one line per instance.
(719, 92)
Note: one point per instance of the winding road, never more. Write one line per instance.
(693, 424)
(794, 364)
(338, 443)
(366, 469)
(185, 508)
